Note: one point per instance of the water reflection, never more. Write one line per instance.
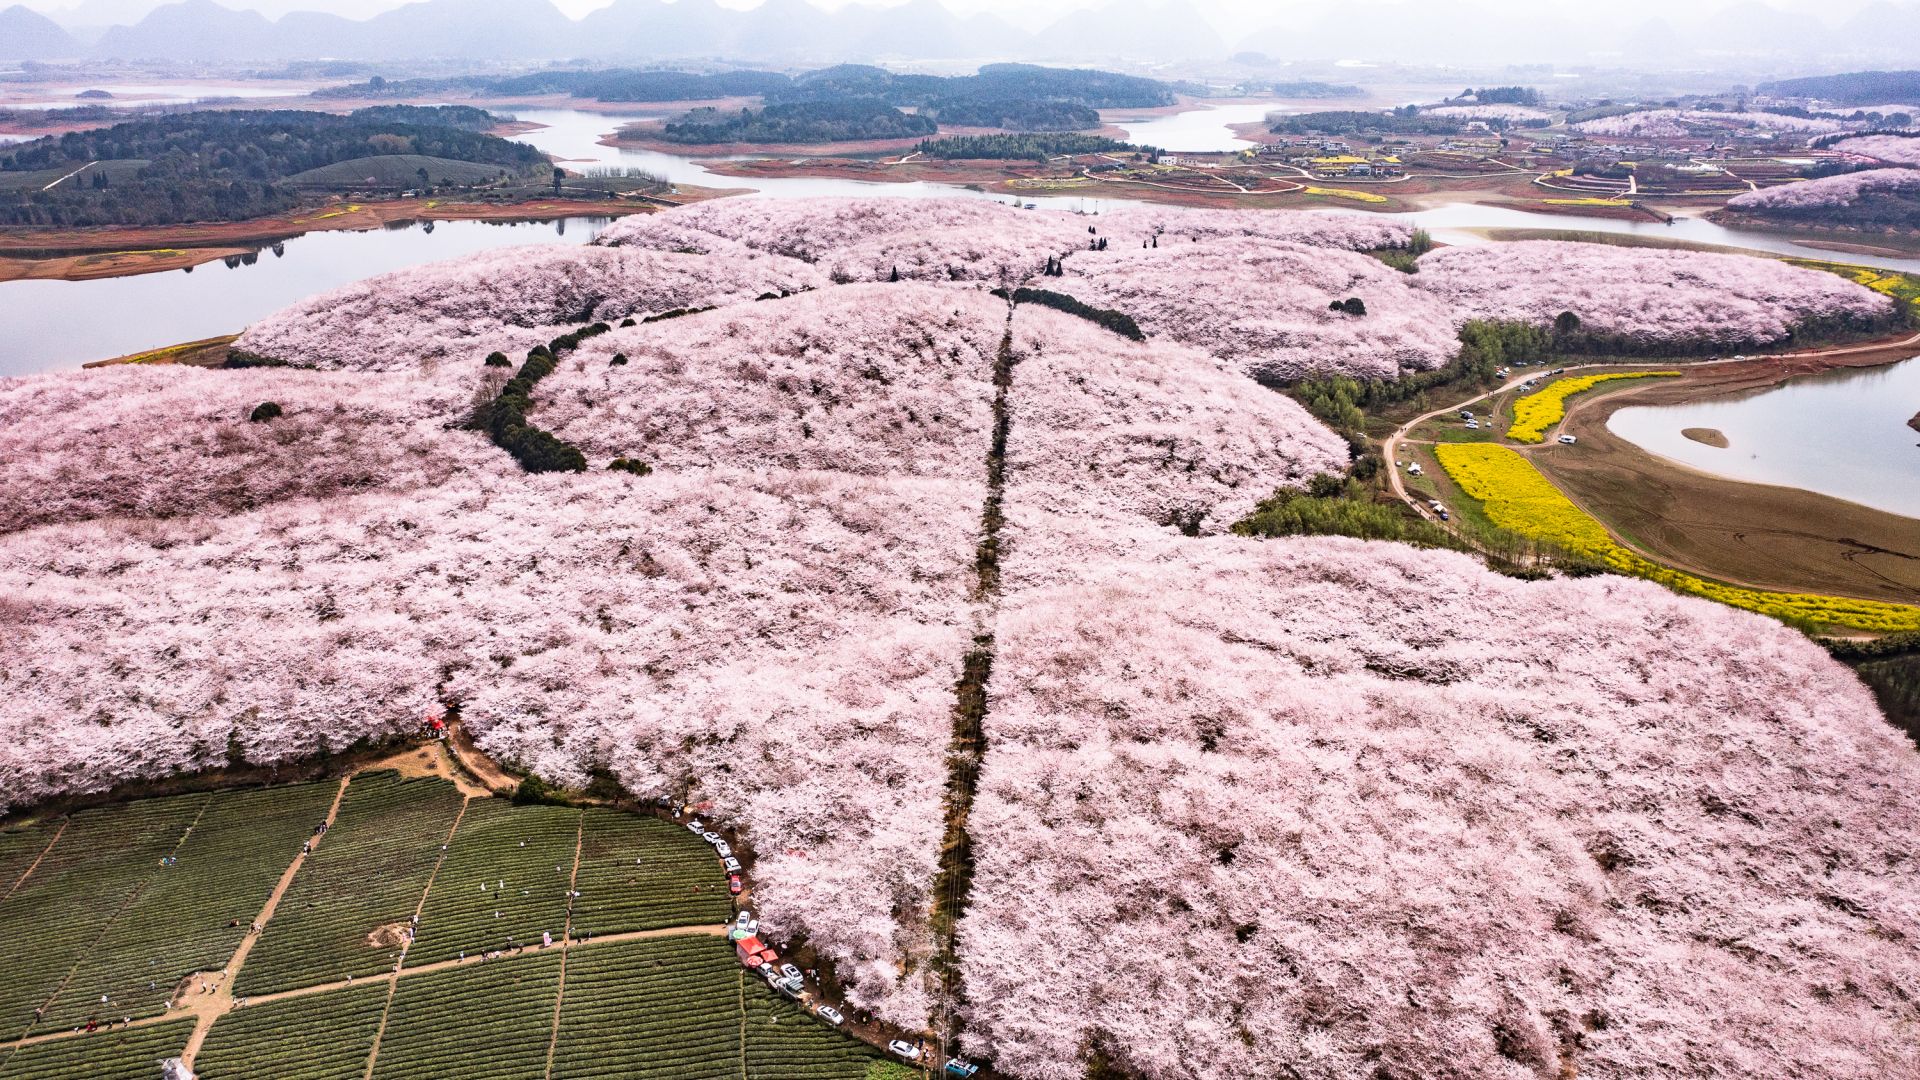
(61, 324)
(1841, 433)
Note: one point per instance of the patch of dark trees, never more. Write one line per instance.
(227, 165)
(799, 122)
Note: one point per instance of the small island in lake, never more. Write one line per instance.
(1710, 436)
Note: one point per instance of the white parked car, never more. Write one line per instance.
(694, 826)
(744, 921)
(904, 1049)
(830, 1014)
(1568, 439)
(723, 849)
(732, 865)
(789, 971)
(710, 837)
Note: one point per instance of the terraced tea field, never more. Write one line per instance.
(407, 944)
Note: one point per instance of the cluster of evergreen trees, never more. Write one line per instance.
(227, 166)
(800, 122)
(1034, 147)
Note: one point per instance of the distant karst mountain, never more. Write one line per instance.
(26, 34)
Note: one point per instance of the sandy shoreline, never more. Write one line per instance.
(1775, 537)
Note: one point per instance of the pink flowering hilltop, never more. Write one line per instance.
(1875, 198)
(898, 533)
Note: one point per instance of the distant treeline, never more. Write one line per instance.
(220, 166)
(799, 122)
(1307, 88)
(1407, 121)
(1504, 95)
(1853, 88)
(1026, 96)
(1021, 147)
(1017, 114)
(464, 117)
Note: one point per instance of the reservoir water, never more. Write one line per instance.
(1841, 433)
(61, 324)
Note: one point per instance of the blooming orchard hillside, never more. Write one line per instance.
(177, 442)
(871, 379)
(1646, 297)
(1829, 191)
(505, 299)
(1315, 808)
(1348, 810)
(1267, 306)
(1892, 149)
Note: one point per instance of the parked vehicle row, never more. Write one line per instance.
(784, 976)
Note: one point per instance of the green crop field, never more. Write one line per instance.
(656, 1009)
(97, 868)
(391, 170)
(37, 180)
(369, 872)
(126, 901)
(123, 1054)
(485, 1021)
(504, 881)
(190, 916)
(19, 848)
(785, 1042)
(643, 873)
(325, 1036)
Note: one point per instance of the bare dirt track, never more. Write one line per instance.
(1774, 537)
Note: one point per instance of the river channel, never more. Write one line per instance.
(52, 325)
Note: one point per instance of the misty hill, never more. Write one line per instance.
(1852, 88)
(26, 34)
(784, 30)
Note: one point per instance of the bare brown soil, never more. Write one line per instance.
(1773, 537)
(1707, 435)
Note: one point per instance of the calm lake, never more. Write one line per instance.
(60, 324)
(1840, 433)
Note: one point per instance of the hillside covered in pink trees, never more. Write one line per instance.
(1892, 149)
(1332, 809)
(1647, 297)
(1312, 807)
(1873, 199)
(1267, 306)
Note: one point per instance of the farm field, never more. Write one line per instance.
(122, 1054)
(323, 1036)
(153, 890)
(369, 873)
(489, 1021)
(666, 1009)
(504, 881)
(387, 170)
(191, 915)
(51, 922)
(640, 873)
(1516, 496)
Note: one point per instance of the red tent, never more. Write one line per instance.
(749, 950)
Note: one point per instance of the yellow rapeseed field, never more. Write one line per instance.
(1538, 411)
(1518, 498)
(1344, 193)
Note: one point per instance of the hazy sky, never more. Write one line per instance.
(1234, 17)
